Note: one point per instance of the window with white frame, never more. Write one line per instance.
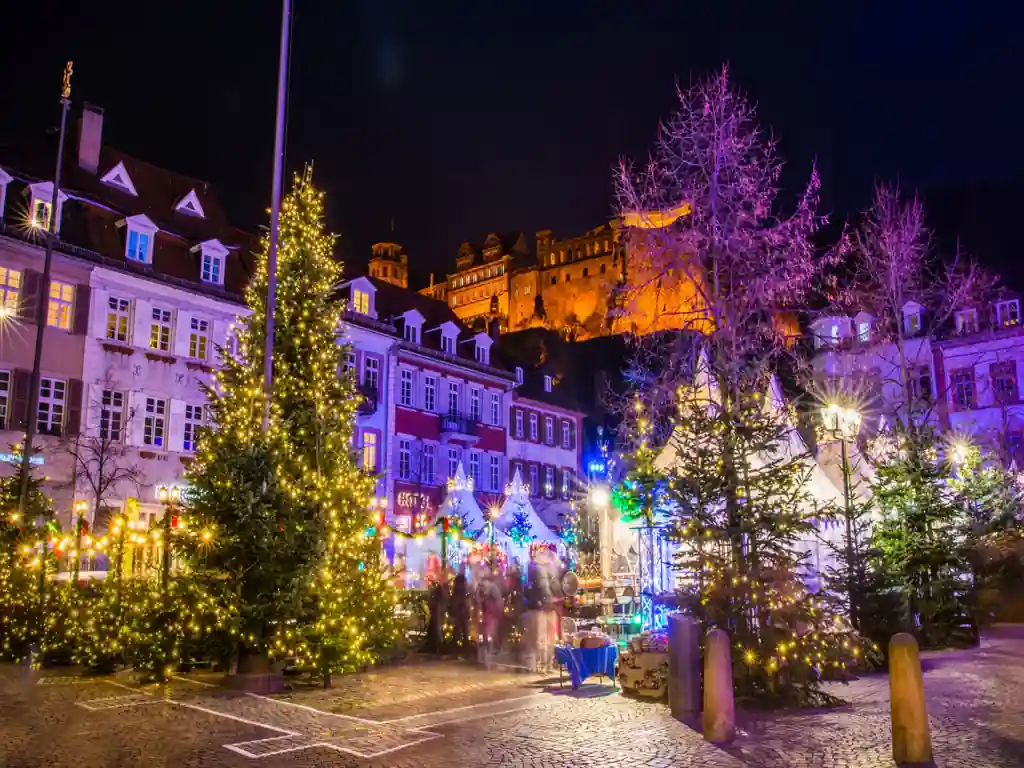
(565, 483)
(369, 451)
(154, 423)
(519, 423)
(566, 442)
(52, 400)
(453, 398)
(161, 322)
(448, 343)
(428, 461)
(137, 248)
(474, 467)
(41, 213)
(10, 288)
(5, 394)
(549, 481)
(533, 427)
(519, 374)
(112, 415)
(534, 487)
(412, 333)
(967, 321)
(864, 332)
(213, 268)
(549, 430)
(483, 354)
(62, 305)
(194, 415)
(547, 383)
(1008, 313)
(474, 404)
(371, 372)
(430, 392)
(404, 458)
(119, 316)
(453, 461)
(496, 409)
(360, 301)
(965, 394)
(199, 338)
(495, 461)
(405, 389)
(348, 365)
(912, 321)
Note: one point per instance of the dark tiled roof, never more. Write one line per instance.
(93, 209)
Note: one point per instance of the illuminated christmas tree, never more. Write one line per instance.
(288, 510)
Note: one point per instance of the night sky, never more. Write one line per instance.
(456, 119)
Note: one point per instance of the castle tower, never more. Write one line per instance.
(390, 263)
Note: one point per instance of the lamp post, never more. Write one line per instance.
(169, 497)
(81, 508)
(844, 424)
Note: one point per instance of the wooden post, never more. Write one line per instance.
(683, 666)
(719, 710)
(911, 738)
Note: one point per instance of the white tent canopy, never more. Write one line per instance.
(517, 501)
(461, 502)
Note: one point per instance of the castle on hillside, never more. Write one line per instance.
(576, 286)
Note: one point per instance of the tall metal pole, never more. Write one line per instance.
(275, 212)
(851, 579)
(41, 309)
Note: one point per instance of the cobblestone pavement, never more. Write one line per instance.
(437, 714)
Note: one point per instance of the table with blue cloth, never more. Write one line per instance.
(584, 662)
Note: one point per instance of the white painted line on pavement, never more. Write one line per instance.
(482, 705)
(230, 717)
(430, 737)
(353, 718)
(197, 682)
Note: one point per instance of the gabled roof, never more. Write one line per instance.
(118, 176)
(190, 205)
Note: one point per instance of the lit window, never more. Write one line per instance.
(348, 365)
(428, 460)
(549, 481)
(119, 313)
(565, 483)
(565, 434)
(967, 321)
(160, 330)
(533, 427)
(430, 393)
(913, 322)
(519, 375)
(405, 394)
(213, 268)
(453, 398)
(547, 383)
(50, 414)
(62, 301)
(193, 420)
(496, 409)
(371, 372)
(1004, 381)
(549, 430)
(10, 288)
(495, 472)
(138, 247)
(453, 461)
(835, 335)
(864, 332)
(41, 214)
(474, 404)
(361, 302)
(199, 339)
(5, 393)
(404, 459)
(154, 425)
(369, 451)
(519, 423)
(111, 415)
(1008, 313)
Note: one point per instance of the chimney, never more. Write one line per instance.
(495, 330)
(431, 279)
(90, 137)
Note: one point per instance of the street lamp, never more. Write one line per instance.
(844, 424)
(599, 497)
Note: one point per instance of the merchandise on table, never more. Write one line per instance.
(643, 666)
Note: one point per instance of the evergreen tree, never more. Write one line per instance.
(919, 540)
(520, 528)
(289, 510)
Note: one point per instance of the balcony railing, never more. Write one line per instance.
(457, 424)
(369, 402)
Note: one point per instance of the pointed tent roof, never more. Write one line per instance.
(517, 500)
(461, 501)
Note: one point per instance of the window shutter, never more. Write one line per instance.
(176, 426)
(141, 322)
(73, 424)
(30, 295)
(22, 385)
(136, 417)
(81, 322)
(182, 321)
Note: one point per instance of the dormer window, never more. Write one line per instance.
(912, 322)
(360, 301)
(118, 177)
(412, 326)
(482, 354)
(967, 321)
(211, 261)
(519, 374)
(864, 332)
(412, 333)
(482, 348)
(547, 383)
(40, 204)
(5, 179)
(190, 205)
(448, 344)
(1008, 313)
(138, 242)
(834, 336)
